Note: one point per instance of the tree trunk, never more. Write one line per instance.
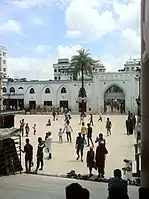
(82, 87)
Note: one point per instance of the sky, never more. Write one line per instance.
(38, 32)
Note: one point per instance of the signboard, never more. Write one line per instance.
(145, 30)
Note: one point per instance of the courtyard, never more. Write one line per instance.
(119, 145)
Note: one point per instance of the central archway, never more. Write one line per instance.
(114, 99)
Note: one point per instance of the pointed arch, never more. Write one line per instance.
(63, 90)
(12, 90)
(4, 90)
(32, 91)
(47, 90)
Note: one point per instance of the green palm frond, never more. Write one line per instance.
(83, 58)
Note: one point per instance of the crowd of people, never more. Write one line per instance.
(95, 158)
(84, 138)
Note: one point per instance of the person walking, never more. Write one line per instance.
(68, 130)
(100, 116)
(28, 150)
(60, 135)
(89, 135)
(54, 114)
(84, 131)
(127, 125)
(27, 129)
(22, 124)
(41, 145)
(91, 120)
(48, 145)
(100, 139)
(101, 152)
(80, 146)
(34, 129)
(90, 159)
(81, 118)
(108, 126)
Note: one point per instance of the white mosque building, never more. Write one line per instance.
(63, 91)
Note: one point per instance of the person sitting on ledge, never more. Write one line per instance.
(76, 191)
(117, 193)
(117, 183)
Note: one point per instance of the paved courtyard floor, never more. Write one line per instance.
(38, 187)
(119, 145)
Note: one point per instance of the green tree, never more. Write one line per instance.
(82, 63)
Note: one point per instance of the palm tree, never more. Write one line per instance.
(82, 63)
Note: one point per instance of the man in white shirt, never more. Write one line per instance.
(48, 145)
(68, 130)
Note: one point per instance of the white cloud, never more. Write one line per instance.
(10, 26)
(132, 41)
(32, 68)
(29, 3)
(113, 63)
(128, 14)
(35, 20)
(67, 51)
(42, 49)
(39, 68)
(84, 18)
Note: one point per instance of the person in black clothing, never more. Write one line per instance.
(80, 146)
(89, 135)
(127, 126)
(76, 191)
(54, 114)
(28, 150)
(41, 145)
(91, 120)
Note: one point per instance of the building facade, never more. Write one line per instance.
(3, 60)
(103, 89)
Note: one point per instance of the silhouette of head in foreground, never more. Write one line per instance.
(117, 193)
(76, 191)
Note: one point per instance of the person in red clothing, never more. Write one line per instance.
(101, 152)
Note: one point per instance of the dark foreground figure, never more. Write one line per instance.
(76, 191)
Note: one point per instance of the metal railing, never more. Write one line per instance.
(10, 155)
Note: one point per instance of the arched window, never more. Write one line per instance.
(4, 90)
(63, 90)
(20, 88)
(47, 90)
(32, 91)
(12, 90)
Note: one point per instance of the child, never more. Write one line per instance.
(49, 123)
(100, 116)
(34, 129)
(60, 135)
(27, 129)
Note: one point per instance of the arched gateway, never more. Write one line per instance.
(114, 99)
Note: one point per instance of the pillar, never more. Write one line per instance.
(144, 190)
